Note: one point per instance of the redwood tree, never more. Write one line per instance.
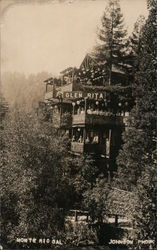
(136, 161)
(111, 48)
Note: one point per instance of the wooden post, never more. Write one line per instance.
(87, 218)
(103, 81)
(72, 132)
(73, 108)
(85, 105)
(84, 134)
(75, 215)
(60, 101)
(110, 135)
(109, 174)
(108, 145)
(116, 220)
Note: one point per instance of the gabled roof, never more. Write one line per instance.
(88, 62)
(67, 70)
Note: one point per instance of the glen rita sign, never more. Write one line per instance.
(81, 94)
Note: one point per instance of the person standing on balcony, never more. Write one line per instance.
(80, 139)
(82, 111)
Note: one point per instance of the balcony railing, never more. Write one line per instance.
(95, 148)
(78, 147)
(94, 119)
(79, 119)
(48, 95)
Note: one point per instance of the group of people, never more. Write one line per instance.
(100, 112)
(92, 111)
(93, 140)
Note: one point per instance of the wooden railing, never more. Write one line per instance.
(77, 147)
(117, 220)
(94, 119)
(80, 148)
(79, 119)
(48, 95)
(95, 148)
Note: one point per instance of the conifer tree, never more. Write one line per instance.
(145, 209)
(3, 107)
(111, 49)
(137, 170)
(135, 43)
(135, 38)
(138, 139)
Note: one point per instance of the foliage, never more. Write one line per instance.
(3, 107)
(144, 213)
(95, 200)
(36, 191)
(111, 50)
(134, 47)
(23, 91)
(79, 233)
(3, 113)
(137, 170)
(139, 138)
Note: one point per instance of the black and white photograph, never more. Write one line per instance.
(78, 124)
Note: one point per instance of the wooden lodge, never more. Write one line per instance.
(93, 112)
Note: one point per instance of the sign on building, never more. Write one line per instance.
(81, 94)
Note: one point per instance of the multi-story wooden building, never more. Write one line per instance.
(93, 113)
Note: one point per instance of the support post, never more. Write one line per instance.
(84, 135)
(87, 218)
(73, 104)
(75, 215)
(116, 220)
(85, 105)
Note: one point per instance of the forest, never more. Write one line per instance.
(41, 182)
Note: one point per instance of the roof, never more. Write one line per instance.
(49, 80)
(89, 62)
(67, 70)
(120, 202)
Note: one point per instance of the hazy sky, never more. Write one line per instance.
(54, 35)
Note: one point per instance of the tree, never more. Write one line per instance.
(111, 50)
(138, 138)
(96, 198)
(3, 113)
(95, 201)
(145, 210)
(134, 46)
(22, 91)
(36, 189)
(136, 163)
(3, 107)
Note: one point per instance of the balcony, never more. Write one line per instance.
(96, 119)
(79, 119)
(48, 95)
(95, 148)
(80, 148)
(77, 147)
